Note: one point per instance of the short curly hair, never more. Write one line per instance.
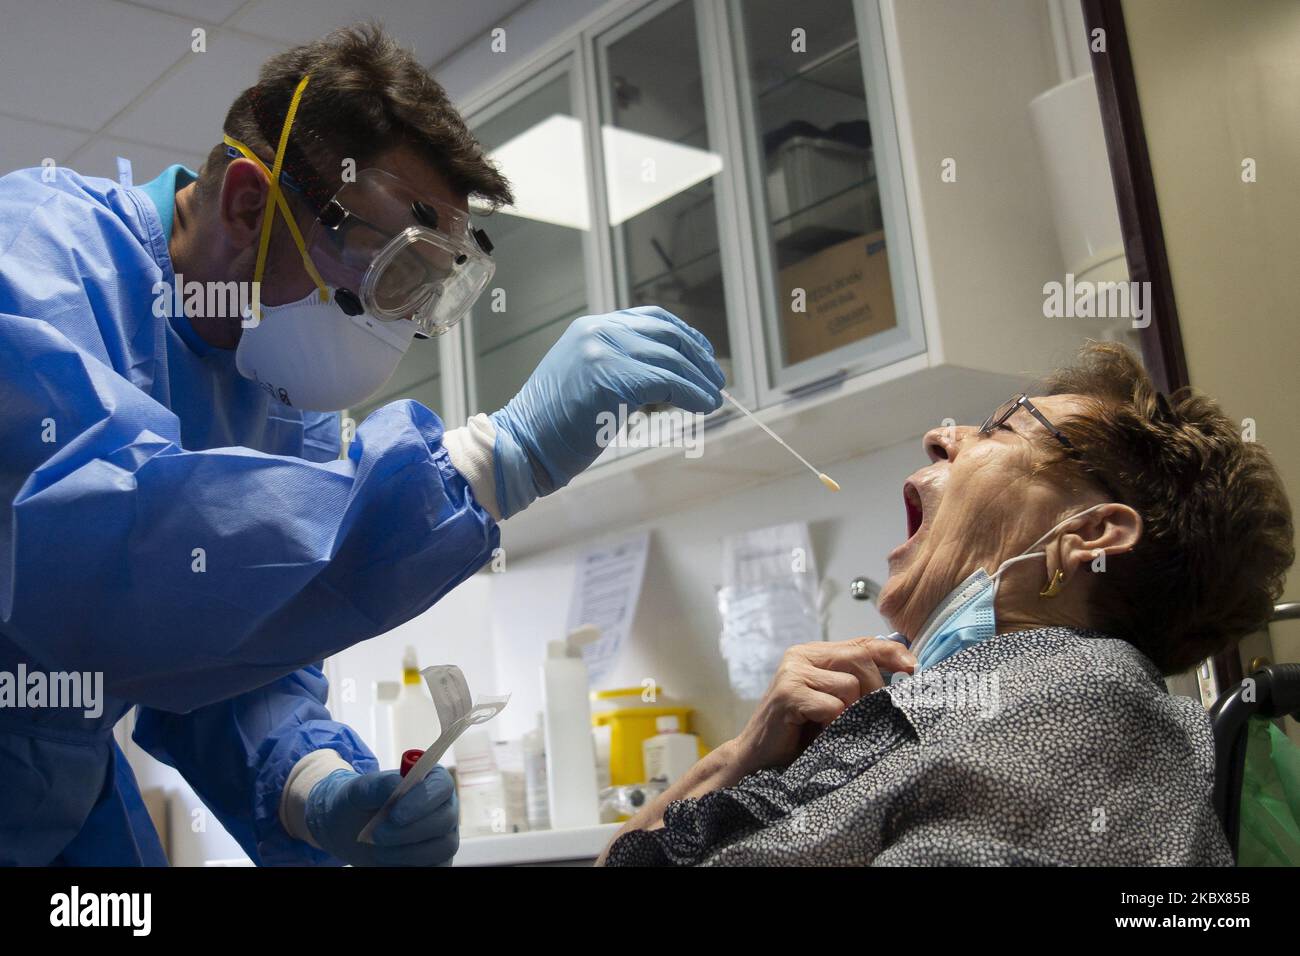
(1217, 536)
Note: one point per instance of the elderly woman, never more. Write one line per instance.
(1060, 558)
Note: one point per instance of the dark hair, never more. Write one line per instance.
(1217, 536)
(366, 95)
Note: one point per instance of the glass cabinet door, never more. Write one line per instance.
(661, 170)
(539, 242)
(418, 376)
(818, 174)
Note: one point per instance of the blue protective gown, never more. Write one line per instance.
(128, 445)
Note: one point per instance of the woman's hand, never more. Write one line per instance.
(813, 686)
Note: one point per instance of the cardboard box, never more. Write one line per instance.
(846, 296)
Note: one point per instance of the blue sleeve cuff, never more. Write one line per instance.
(274, 844)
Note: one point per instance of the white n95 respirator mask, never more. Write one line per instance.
(312, 355)
(387, 265)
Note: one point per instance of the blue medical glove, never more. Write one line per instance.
(421, 830)
(547, 434)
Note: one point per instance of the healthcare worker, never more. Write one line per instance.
(176, 517)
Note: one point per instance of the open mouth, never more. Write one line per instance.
(915, 513)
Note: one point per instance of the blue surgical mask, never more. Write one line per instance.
(966, 616)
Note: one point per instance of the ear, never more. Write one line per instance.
(1112, 529)
(244, 193)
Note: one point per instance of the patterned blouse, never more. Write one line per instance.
(1044, 747)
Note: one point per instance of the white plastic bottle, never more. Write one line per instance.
(535, 797)
(670, 753)
(386, 693)
(415, 718)
(570, 752)
(479, 785)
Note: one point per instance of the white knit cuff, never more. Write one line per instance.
(306, 773)
(470, 447)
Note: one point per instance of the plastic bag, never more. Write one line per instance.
(1270, 798)
(768, 601)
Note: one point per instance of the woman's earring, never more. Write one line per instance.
(1054, 588)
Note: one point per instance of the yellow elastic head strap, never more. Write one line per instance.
(276, 201)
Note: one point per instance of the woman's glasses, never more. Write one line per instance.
(1009, 407)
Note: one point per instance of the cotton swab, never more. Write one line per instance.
(824, 478)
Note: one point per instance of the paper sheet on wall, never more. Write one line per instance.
(606, 588)
(768, 601)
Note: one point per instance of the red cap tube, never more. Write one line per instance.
(409, 760)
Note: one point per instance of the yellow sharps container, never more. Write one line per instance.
(630, 713)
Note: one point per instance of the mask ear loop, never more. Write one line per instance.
(277, 202)
(997, 575)
(1031, 553)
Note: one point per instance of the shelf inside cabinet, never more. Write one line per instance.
(823, 223)
(566, 316)
(823, 71)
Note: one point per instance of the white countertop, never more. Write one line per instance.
(536, 846)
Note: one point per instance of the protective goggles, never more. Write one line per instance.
(385, 251)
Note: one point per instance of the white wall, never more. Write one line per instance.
(1233, 246)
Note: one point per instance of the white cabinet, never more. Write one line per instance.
(662, 144)
(543, 243)
(716, 157)
(834, 278)
(418, 376)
